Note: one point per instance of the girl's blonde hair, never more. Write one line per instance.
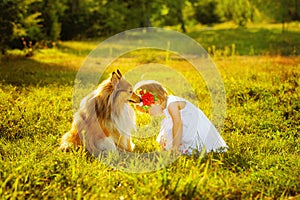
(154, 87)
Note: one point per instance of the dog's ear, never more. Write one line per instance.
(114, 79)
(119, 73)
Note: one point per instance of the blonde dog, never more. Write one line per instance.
(105, 119)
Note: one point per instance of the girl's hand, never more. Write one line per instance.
(175, 148)
(155, 110)
(176, 151)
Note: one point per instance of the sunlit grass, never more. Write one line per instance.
(78, 48)
(261, 128)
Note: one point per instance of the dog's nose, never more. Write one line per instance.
(141, 99)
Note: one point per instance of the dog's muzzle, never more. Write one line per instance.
(131, 101)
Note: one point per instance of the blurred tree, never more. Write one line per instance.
(44, 20)
(94, 18)
(31, 26)
(280, 10)
(20, 24)
(113, 14)
(140, 12)
(10, 16)
(206, 12)
(238, 11)
(170, 13)
(77, 18)
(51, 12)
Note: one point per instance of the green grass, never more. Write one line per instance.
(261, 128)
(263, 39)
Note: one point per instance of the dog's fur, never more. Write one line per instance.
(105, 119)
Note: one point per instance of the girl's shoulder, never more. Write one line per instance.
(173, 98)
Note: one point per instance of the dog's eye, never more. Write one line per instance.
(130, 92)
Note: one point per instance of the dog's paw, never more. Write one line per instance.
(64, 147)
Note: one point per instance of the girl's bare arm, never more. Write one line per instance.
(174, 110)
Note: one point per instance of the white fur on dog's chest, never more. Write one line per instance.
(125, 122)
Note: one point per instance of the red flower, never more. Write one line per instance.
(147, 99)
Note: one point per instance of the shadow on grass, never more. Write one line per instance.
(28, 72)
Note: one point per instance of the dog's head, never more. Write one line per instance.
(123, 91)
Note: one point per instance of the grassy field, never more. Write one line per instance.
(262, 125)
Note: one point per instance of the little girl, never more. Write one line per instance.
(185, 127)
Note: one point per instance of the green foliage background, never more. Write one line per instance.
(39, 23)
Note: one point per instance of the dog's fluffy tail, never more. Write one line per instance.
(70, 139)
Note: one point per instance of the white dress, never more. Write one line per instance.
(198, 133)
